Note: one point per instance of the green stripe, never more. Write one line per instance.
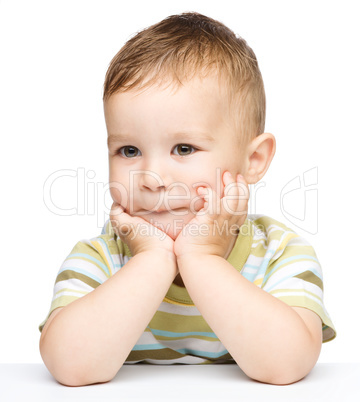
(56, 303)
(288, 253)
(80, 292)
(179, 323)
(123, 247)
(258, 251)
(82, 248)
(170, 338)
(310, 277)
(242, 248)
(159, 354)
(69, 274)
(274, 292)
(168, 354)
(110, 242)
(265, 221)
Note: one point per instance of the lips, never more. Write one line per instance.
(161, 211)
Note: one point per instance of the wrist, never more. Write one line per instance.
(159, 259)
(158, 253)
(185, 258)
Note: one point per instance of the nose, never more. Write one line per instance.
(155, 177)
(151, 181)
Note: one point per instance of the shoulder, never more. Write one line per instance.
(278, 252)
(274, 237)
(106, 251)
(109, 236)
(269, 226)
(285, 264)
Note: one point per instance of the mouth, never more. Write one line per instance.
(163, 211)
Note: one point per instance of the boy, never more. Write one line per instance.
(181, 273)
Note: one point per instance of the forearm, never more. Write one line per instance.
(89, 340)
(267, 338)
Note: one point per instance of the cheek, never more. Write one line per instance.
(119, 193)
(210, 176)
(119, 189)
(202, 176)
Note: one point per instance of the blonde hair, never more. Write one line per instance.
(182, 46)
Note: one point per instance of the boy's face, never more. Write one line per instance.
(164, 144)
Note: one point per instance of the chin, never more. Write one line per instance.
(174, 233)
(170, 225)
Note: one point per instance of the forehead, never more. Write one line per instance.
(200, 101)
(209, 84)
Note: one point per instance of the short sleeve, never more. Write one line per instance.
(294, 275)
(90, 263)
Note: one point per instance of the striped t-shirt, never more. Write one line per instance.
(266, 252)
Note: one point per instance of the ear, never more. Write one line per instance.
(259, 155)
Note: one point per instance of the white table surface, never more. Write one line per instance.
(338, 382)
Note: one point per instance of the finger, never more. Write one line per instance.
(212, 202)
(120, 221)
(236, 195)
(227, 178)
(115, 212)
(230, 200)
(202, 192)
(116, 209)
(231, 184)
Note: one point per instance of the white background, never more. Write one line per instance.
(54, 56)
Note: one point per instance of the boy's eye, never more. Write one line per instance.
(129, 151)
(183, 149)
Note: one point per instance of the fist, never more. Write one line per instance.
(138, 234)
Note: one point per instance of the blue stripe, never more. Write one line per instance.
(81, 271)
(184, 351)
(251, 266)
(250, 276)
(294, 258)
(89, 257)
(268, 289)
(110, 255)
(267, 258)
(182, 334)
(103, 230)
(202, 353)
(108, 251)
(149, 347)
(260, 268)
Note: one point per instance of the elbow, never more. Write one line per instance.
(72, 372)
(72, 376)
(286, 368)
(279, 379)
(77, 379)
(281, 375)
(284, 371)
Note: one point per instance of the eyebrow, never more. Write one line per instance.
(193, 135)
(178, 136)
(117, 138)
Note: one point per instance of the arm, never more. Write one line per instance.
(269, 340)
(88, 340)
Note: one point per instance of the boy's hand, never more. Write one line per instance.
(137, 233)
(214, 229)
